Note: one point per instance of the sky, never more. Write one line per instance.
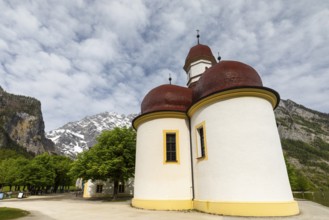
(84, 57)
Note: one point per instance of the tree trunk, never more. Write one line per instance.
(115, 189)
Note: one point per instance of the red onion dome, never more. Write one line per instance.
(199, 52)
(167, 98)
(226, 75)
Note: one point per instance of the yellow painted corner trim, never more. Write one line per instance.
(176, 132)
(248, 208)
(156, 115)
(86, 193)
(162, 204)
(197, 141)
(254, 92)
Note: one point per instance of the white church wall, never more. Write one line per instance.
(155, 179)
(244, 156)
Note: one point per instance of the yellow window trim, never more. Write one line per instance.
(197, 139)
(176, 132)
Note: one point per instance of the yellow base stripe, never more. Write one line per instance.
(163, 204)
(223, 208)
(248, 208)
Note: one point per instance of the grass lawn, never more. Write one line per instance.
(11, 213)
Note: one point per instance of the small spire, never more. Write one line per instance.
(170, 78)
(218, 58)
(198, 36)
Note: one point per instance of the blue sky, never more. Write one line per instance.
(81, 58)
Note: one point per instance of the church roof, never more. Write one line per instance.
(167, 98)
(199, 52)
(226, 75)
(221, 76)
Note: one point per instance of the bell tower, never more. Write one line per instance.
(198, 60)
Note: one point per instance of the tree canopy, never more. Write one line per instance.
(42, 172)
(111, 158)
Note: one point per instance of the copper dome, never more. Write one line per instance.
(199, 52)
(167, 98)
(226, 75)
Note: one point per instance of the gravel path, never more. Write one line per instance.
(67, 207)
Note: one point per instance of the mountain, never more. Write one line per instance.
(22, 125)
(297, 122)
(305, 140)
(75, 137)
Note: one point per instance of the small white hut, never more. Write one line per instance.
(99, 188)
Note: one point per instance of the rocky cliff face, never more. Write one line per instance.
(22, 125)
(305, 140)
(297, 122)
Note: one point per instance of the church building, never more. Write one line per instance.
(212, 146)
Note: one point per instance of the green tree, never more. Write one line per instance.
(8, 153)
(42, 172)
(11, 172)
(7, 175)
(61, 166)
(293, 178)
(303, 184)
(298, 180)
(112, 157)
(39, 173)
(18, 172)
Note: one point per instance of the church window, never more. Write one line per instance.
(99, 188)
(171, 147)
(201, 137)
(201, 141)
(121, 187)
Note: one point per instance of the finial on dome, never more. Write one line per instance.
(170, 78)
(198, 36)
(218, 58)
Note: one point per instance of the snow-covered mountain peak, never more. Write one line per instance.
(75, 137)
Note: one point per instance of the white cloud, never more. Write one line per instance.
(84, 57)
